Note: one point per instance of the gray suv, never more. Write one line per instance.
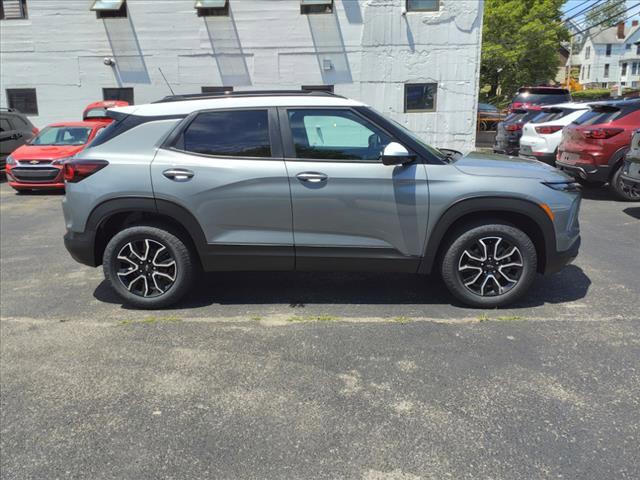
(306, 181)
(15, 131)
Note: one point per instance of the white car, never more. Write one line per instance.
(541, 137)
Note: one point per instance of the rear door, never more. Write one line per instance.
(350, 211)
(226, 168)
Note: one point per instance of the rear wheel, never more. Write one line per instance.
(148, 266)
(489, 265)
(624, 190)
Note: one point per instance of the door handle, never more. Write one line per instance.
(178, 174)
(312, 177)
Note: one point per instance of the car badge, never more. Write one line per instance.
(34, 162)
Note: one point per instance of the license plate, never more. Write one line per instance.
(569, 157)
(525, 149)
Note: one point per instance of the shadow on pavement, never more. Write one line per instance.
(633, 212)
(298, 289)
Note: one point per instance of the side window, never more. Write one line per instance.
(240, 133)
(5, 126)
(336, 135)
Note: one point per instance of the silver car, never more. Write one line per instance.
(306, 181)
(630, 175)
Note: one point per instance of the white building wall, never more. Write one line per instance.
(263, 44)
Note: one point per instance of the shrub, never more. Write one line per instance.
(599, 94)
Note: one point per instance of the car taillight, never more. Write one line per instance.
(77, 170)
(513, 127)
(549, 129)
(602, 133)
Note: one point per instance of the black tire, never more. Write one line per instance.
(176, 250)
(590, 183)
(469, 238)
(622, 190)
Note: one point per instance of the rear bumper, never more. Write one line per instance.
(81, 246)
(586, 172)
(557, 260)
(548, 158)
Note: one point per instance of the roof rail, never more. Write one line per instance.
(9, 109)
(245, 93)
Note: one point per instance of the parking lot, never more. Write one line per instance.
(318, 375)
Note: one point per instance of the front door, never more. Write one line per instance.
(227, 169)
(350, 211)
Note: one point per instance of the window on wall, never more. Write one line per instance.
(13, 9)
(240, 133)
(606, 70)
(212, 8)
(420, 97)
(423, 5)
(589, 71)
(638, 49)
(110, 8)
(125, 94)
(316, 6)
(624, 69)
(328, 134)
(634, 68)
(587, 53)
(216, 89)
(607, 50)
(318, 88)
(23, 99)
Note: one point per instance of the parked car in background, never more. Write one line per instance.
(542, 135)
(98, 110)
(631, 171)
(489, 116)
(509, 131)
(594, 146)
(15, 130)
(39, 163)
(528, 97)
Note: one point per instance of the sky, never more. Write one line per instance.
(576, 6)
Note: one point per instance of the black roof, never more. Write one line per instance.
(245, 93)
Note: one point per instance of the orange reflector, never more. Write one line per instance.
(547, 210)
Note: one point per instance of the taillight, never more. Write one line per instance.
(602, 133)
(77, 170)
(549, 129)
(513, 127)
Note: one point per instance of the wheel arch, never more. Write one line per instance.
(524, 214)
(616, 159)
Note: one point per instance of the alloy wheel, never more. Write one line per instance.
(146, 268)
(491, 266)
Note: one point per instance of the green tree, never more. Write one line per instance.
(520, 44)
(611, 12)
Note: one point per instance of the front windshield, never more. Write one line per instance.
(434, 151)
(62, 136)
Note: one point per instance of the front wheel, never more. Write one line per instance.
(148, 266)
(490, 265)
(624, 190)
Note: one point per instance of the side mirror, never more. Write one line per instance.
(396, 154)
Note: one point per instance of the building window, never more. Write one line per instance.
(318, 88)
(589, 71)
(212, 8)
(607, 51)
(217, 90)
(638, 49)
(110, 8)
(125, 94)
(627, 46)
(23, 99)
(581, 73)
(241, 133)
(634, 68)
(13, 9)
(606, 70)
(420, 97)
(624, 69)
(423, 5)
(587, 53)
(308, 7)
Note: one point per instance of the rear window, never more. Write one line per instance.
(100, 112)
(541, 98)
(241, 133)
(551, 115)
(598, 116)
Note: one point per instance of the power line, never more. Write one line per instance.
(590, 7)
(578, 6)
(608, 19)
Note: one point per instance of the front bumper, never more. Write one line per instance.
(81, 246)
(586, 172)
(556, 261)
(35, 177)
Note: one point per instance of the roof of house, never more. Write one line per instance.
(610, 35)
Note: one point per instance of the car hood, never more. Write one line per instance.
(45, 152)
(492, 165)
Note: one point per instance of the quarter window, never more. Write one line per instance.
(240, 133)
(335, 135)
(125, 94)
(4, 125)
(23, 99)
(423, 5)
(420, 97)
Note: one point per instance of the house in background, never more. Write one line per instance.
(417, 61)
(609, 58)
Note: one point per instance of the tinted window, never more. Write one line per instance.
(4, 125)
(540, 98)
(242, 133)
(335, 134)
(596, 117)
(420, 97)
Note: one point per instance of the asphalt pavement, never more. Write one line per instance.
(291, 375)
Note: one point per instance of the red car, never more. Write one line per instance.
(38, 164)
(593, 147)
(97, 111)
(537, 97)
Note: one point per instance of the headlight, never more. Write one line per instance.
(11, 161)
(564, 186)
(61, 161)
